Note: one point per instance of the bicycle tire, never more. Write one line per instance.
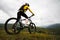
(6, 23)
(32, 30)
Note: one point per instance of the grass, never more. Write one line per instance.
(23, 35)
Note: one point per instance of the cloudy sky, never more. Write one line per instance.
(46, 11)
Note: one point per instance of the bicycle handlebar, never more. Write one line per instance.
(30, 16)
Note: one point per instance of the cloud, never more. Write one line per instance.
(46, 11)
(8, 6)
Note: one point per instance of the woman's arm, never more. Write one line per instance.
(31, 11)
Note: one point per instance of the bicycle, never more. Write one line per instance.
(10, 22)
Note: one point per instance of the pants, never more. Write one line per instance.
(19, 14)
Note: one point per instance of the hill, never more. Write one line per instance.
(1, 26)
(41, 34)
(55, 28)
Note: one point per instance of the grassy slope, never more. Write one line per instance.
(42, 34)
(26, 36)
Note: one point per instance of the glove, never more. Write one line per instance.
(32, 14)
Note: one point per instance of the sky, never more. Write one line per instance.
(46, 11)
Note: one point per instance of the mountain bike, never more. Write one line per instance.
(17, 28)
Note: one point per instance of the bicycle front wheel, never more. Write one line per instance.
(32, 28)
(9, 26)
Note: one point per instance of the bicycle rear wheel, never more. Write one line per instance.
(32, 28)
(9, 26)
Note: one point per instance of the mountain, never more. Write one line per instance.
(1, 26)
(55, 28)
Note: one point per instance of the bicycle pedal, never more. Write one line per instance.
(32, 27)
(18, 28)
(21, 27)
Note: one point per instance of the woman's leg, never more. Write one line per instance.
(24, 15)
(18, 18)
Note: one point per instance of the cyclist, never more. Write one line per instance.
(22, 10)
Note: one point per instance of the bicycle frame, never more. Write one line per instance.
(29, 20)
(17, 28)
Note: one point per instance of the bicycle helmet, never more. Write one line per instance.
(26, 4)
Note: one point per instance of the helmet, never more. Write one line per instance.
(26, 4)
